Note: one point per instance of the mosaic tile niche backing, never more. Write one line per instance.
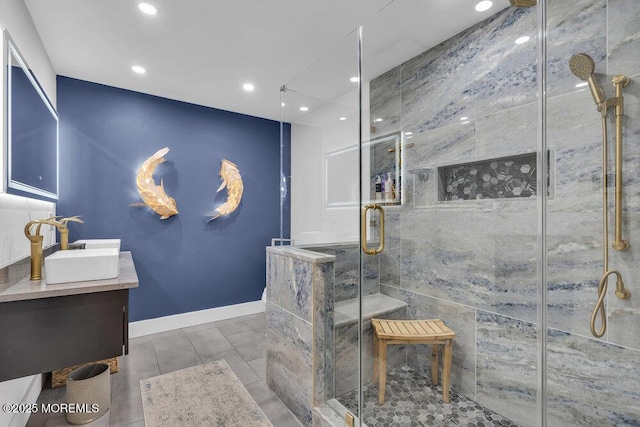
(505, 177)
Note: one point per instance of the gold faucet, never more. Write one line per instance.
(36, 240)
(64, 230)
(36, 245)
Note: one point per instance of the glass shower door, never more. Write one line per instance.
(439, 170)
(322, 197)
(593, 350)
(456, 88)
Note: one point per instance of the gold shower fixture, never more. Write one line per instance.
(621, 292)
(619, 81)
(523, 3)
(583, 67)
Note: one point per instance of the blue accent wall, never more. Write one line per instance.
(184, 263)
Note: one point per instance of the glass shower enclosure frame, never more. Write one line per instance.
(461, 179)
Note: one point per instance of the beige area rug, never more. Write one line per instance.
(204, 395)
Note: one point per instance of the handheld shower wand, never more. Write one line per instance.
(582, 66)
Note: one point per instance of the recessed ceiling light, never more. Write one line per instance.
(464, 118)
(484, 5)
(147, 8)
(304, 108)
(583, 84)
(138, 69)
(378, 119)
(283, 104)
(343, 118)
(522, 39)
(408, 133)
(410, 136)
(354, 79)
(464, 123)
(248, 87)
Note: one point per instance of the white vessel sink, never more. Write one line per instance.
(100, 243)
(81, 265)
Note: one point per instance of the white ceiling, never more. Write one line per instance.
(202, 51)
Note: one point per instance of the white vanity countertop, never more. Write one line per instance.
(26, 289)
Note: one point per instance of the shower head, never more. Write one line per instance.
(523, 3)
(583, 67)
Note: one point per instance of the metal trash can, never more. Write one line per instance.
(88, 393)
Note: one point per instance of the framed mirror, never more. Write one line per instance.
(341, 178)
(31, 130)
(383, 155)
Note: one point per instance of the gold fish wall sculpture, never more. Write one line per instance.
(233, 181)
(151, 194)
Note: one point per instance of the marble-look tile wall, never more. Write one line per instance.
(289, 360)
(474, 263)
(588, 379)
(347, 270)
(300, 328)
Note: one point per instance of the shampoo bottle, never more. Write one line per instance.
(378, 187)
(388, 188)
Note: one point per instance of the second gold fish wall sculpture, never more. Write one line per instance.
(232, 180)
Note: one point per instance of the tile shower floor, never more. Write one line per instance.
(411, 400)
(239, 341)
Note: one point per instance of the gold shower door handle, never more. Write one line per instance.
(363, 231)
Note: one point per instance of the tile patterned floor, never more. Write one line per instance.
(411, 400)
(239, 341)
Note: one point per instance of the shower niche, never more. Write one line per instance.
(510, 177)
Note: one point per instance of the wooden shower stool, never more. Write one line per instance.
(433, 332)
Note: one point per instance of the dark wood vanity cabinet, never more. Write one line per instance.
(45, 327)
(45, 334)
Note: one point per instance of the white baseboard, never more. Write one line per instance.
(193, 318)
